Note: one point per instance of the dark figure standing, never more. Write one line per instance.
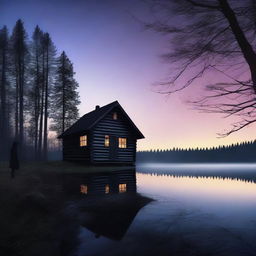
(14, 161)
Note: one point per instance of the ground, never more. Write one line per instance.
(57, 167)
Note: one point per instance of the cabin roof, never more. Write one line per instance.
(89, 120)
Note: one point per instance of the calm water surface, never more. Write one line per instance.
(196, 210)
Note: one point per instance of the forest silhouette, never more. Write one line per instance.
(38, 92)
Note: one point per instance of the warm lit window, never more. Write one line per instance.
(122, 188)
(122, 143)
(84, 189)
(83, 141)
(115, 116)
(106, 140)
(107, 189)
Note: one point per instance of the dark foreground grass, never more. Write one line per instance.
(59, 167)
(32, 218)
(30, 215)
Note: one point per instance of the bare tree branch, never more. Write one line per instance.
(203, 5)
(212, 36)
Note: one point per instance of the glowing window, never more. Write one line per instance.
(106, 140)
(83, 141)
(122, 142)
(107, 189)
(83, 189)
(115, 116)
(122, 188)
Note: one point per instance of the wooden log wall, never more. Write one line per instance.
(111, 127)
(72, 150)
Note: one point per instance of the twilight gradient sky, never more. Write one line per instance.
(116, 59)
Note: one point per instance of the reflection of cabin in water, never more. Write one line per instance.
(105, 135)
(109, 201)
(116, 182)
(112, 216)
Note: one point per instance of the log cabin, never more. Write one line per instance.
(105, 135)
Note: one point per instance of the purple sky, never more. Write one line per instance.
(116, 59)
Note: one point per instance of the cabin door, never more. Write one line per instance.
(113, 148)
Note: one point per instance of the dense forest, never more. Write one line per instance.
(243, 152)
(38, 92)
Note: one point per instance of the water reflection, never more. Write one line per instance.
(196, 211)
(207, 191)
(108, 201)
(215, 187)
(100, 183)
(243, 172)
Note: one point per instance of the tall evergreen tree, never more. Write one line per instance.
(36, 84)
(19, 57)
(43, 72)
(66, 98)
(41, 104)
(4, 117)
(50, 53)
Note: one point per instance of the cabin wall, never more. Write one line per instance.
(111, 127)
(72, 150)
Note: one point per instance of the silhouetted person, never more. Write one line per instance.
(14, 161)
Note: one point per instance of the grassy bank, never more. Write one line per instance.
(59, 167)
(31, 211)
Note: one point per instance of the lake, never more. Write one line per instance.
(167, 210)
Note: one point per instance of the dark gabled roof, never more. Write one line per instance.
(89, 120)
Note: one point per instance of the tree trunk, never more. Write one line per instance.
(245, 46)
(37, 104)
(17, 105)
(3, 114)
(46, 104)
(63, 94)
(41, 112)
(21, 102)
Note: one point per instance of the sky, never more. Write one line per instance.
(115, 58)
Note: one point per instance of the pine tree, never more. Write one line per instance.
(66, 98)
(41, 103)
(19, 50)
(35, 85)
(4, 117)
(50, 53)
(43, 72)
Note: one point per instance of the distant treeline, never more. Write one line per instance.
(240, 152)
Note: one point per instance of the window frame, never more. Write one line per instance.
(106, 141)
(114, 116)
(122, 187)
(107, 189)
(84, 189)
(122, 142)
(83, 141)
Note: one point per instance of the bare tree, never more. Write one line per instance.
(209, 36)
